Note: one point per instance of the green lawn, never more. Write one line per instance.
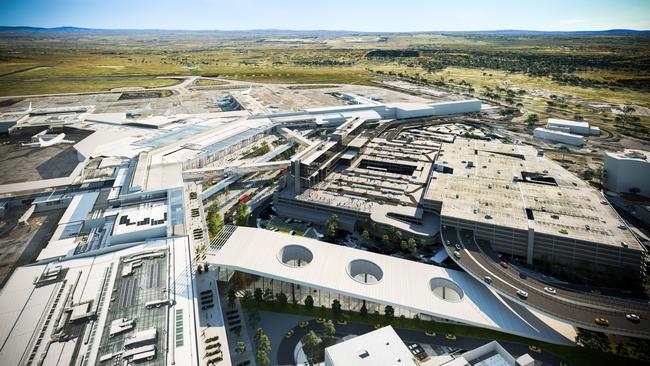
(575, 355)
(68, 86)
(208, 82)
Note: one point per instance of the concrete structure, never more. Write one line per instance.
(489, 354)
(627, 171)
(139, 223)
(295, 265)
(371, 181)
(558, 136)
(59, 313)
(528, 206)
(381, 347)
(574, 127)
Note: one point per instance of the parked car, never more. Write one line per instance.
(289, 334)
(303, 324)
(457, 254)
(487, 279)
(450, 337)
(535, 349)
(430, 333)
(503, 264)
(457, 246)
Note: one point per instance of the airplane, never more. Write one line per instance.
(248, 91)
(58, 139)
(139, 112)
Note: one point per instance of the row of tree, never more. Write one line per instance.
(214, 222)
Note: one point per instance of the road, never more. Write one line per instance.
(576, 308)
(409, 336)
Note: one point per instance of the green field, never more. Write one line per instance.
(581, 70)
(78, 86)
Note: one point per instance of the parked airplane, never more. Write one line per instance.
(58, 139)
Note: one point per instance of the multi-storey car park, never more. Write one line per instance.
(117, 278)
(527, 206)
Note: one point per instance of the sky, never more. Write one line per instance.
(355, 15)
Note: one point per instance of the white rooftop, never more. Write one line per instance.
(564, 122)
(141, 217)
(402, 283)
(79, 207)
(381, 347)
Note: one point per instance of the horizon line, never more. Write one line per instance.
(325, 30)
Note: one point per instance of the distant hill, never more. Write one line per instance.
(313, 33)
(522, 32)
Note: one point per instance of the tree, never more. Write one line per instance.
(332, 227)
(328, 328)
(389, 311)
(263, 346)
(532, 119)
(309, 302)
(268, 295)
(258, 296)
(241, 214)
(385, 240)
(262, 358)
(363, 310)
(365, 234)
(409, 245)
(247, 299)
(311, 345)
(232, 296)
(336, 306)
(281, 298)
(241, 347)
(214, 222)
(396, 236)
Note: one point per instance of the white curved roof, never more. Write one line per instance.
(405, 284)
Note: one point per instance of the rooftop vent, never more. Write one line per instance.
(363, 353)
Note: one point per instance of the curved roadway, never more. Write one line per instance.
(287, 346)
(579, 309)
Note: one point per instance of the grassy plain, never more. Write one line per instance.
(580, 70)
(54, 86)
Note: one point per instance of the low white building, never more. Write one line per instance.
(628, 171)
(490, 354)
(381, 347)
(558, 136)
(576, 127)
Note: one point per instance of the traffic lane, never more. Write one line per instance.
(623, 306)
(573, 313)
(537, 296)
